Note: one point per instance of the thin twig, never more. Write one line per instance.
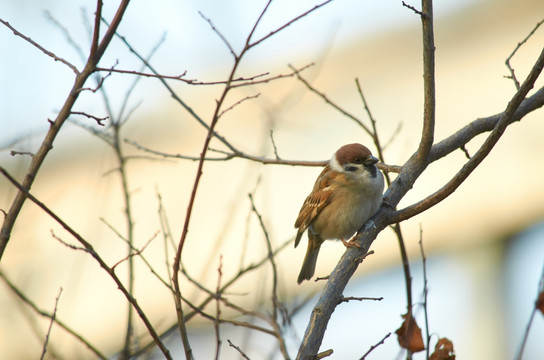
(66, 33)
(221, 36)
(425, 293)
(198, 310)
(518, 46)
(465, 151)
(413, 9)
(61, 324)
(374, 131)
(238, 349)
(249, 97)
(532, 316)
(323, 354)
(67, 244)
(175, 95)
(98, 86)
(216, 322)
(332, 103)
(286, 24)
(405, 266)
(219, 297)
(276, 305)
(95, 118)
(237, 82)
(139, 253)
(41, 48)
(360, 298)
(15, 152)
(375, 346)
(274, 144)
(53, 317)
(134, 251)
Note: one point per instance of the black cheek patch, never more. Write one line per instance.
(350, 168)
(372, 170)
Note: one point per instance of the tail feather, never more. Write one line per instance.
(308, 266)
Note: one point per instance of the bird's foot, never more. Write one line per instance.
(349, 244)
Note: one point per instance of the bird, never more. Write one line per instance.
(345, 195)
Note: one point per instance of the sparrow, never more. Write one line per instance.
(346, 194)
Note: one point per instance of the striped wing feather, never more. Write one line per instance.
(315, 202)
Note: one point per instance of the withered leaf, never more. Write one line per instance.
(443, 350)
(409, 334)
(540, 302)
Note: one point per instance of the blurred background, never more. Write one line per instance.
(484, 244)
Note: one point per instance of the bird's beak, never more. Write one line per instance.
(371, 160)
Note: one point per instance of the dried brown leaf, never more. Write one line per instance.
(540, 302)
(443, 350)
(409, 334)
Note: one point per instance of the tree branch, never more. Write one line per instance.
(64, 113)
(38, 46)
(409, 173)
(89, 248)
(506, 119)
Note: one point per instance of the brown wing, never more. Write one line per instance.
(315, 202)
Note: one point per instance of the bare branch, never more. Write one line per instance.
(324, 354)
(67, 244)
(243, 271)
(405, 265)
(89, 248)
(506, 118)
(245, 324)
(375, 346)
(413, 9)
(218, 308)
(259, 159)
(238, 349)
(62, 116)
(136, 252)
(15, 152)
(53, 317)
(98, 120)
(41, 48)
(96, 32)
(249, 97)
(98, 85)
(465, 151)
(160, 76)
(221, 36)
(240, 82)
(274, 144)
(539, 304)
(359, 298)
(425, 293)
(44, 313)
(276, 304)
(518, 46)
(332, 103)
(281, 27)
(427, 136)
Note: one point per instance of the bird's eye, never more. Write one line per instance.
(357, 161)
